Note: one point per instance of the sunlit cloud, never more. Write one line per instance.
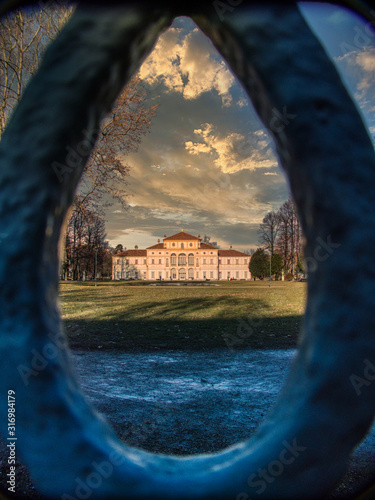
(234, 151)
(366, 59)
(242, 102)
(357, 68)
(189, 64)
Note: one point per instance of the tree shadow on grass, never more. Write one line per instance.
(269, 333)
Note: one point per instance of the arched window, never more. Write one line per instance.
(182, 259)
(191, 259)
(182, 274)
(173, 274)
(173, 259)
(191, 274)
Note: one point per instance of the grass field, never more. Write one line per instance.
(143, 316)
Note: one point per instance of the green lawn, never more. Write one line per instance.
(142, 315)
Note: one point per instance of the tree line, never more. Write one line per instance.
(87, 254)
(281, 239)
(24, 37)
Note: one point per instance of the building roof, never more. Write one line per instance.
(132, 253)
(207, 246)
(181, 236)
(232, 253)
(158, 245)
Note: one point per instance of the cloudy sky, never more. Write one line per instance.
(208, 166)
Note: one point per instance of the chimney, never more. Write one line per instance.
(230, 247)
(136, 247)
(159, 240)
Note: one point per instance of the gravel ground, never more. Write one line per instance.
(185, 403)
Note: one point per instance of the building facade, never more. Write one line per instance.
(181, 257)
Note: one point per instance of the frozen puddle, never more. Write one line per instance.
(187, 403)
(255, 376)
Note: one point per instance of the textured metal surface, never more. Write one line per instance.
(323, 146)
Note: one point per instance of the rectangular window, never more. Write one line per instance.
(245, 275)
(166, 274)
(152, 261)
(228, 274)
(197, 274)
(136, 261)
(152, 275)
(159, 261)
(160, 274)
(245, 261)
(219, 261)
(211, 274)
(237, 274)
(237, 261)
(204, 261)
(211, 261)
(228, 261)
(219, 275)
(204, 274)
(144, 261)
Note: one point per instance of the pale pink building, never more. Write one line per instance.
(181, 256)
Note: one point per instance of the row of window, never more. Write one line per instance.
(181, 261)
(204, 253)
(182, 275)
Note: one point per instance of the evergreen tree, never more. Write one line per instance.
(259, 264)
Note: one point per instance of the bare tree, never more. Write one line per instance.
(269, 230)
(85, 244)
(281, 232)
(24, 35)
(289, 243)
(121, 133)
(250, 251)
